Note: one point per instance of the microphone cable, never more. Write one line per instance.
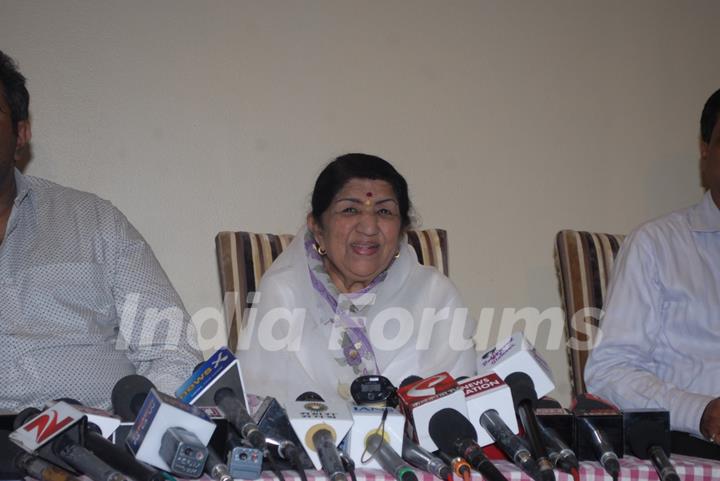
(348, 464)
(296, 462)
(273, 465)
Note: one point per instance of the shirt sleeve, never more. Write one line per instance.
(154, 327)
(622, 367)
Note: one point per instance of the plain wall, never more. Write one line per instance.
(511, 120)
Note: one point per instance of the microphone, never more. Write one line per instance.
(388, 458)
(603, 449)
(509, 443)
(590, 413)
(115, 456)
(238, 416)
(218, 382)
(422, 459)
(524, 397)
(560, 453)
(128, 396)
(273, 420)
(322, 440)
(55, 434)
(421, 400)
(646, 441)
(215, 467)
(368, 420)
(485, 393)
(458, 466)
(490, 409)
(410, 380)
(320, 426)
(455, 435)
(15, 462)
(119, 458)
(169, 434)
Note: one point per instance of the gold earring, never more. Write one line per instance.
(321, 251)
(397, 256)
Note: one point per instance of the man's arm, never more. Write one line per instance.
(154, 328)
(622, 367)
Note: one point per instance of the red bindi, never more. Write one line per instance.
(369, 194)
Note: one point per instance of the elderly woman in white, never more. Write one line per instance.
(348, 296)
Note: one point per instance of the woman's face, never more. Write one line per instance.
(360, 232)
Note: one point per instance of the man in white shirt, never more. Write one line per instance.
(660, 344)
(83, 300)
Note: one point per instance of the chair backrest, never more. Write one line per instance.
(584, 261)
(243, 258)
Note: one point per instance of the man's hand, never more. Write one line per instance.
(710, 421)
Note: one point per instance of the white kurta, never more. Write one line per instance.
(417, 325)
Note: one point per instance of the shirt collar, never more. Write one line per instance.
(22, 186)
(705, 216)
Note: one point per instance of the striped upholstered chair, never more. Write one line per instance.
(583, 261)
(243, 258)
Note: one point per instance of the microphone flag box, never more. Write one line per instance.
(37, 434)
(517, 354)
(421, 399)
(604, 416)
(366, 421)
(273, 421)
(488, 392)
(552, 415)
(106, 421)
(221, 370)
(309, 417)
(659, 418)
(159, 413)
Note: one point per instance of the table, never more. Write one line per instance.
(631, 469)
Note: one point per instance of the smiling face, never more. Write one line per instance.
(360, 231)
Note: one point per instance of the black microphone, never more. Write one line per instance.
(645, 439)
(456, 436)
(525, 398)
(561, 455)
(215, 467)
(273, 421)
(119, 458)
(321, 439)
(65, 449)
(180, 450)
(409, 380)
(19, 463)
(587, 428)
(128, 396)
(509, 443)
(236, 414)
(114, 455)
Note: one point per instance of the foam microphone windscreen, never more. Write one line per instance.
(24, 416)
(522, 388)
(310, 396)
(410, 380)
(447, 426)
(129, 394)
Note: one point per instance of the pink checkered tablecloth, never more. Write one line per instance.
(631, 469)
